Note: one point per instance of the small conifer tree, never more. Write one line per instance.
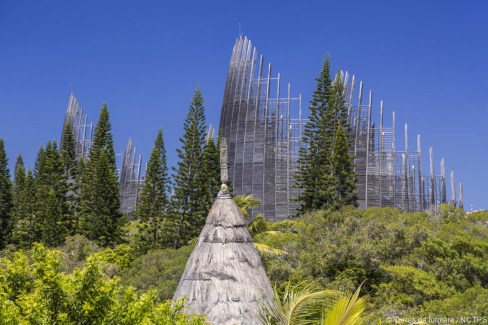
(25, 229)
(19, 177)
(71, 166)
(209, 177)
(152, 206)
(18, 188)
(51, 209)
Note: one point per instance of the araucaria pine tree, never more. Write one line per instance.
(343, 171)
(68, 150)
(313, 177)
(6, 201)
(152, 207)
(209, 177)
(39, 158)
(28, 223)
(186, 213)
(317, 175)
(18, 188)
(25, 229)
(19, 176)
(100, 218)
(52, 220)
(71, 166)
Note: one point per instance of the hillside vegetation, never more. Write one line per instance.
(412, 264)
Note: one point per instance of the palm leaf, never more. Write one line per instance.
(268, 250)
(297, 307)
(346, 311)
(267, 235)
(258, 225)
(246, 203)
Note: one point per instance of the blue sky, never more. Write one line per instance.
(428, 61)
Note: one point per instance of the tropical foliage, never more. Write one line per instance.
(411, 263)
(245, 204)
(35, 288)
(309, 305)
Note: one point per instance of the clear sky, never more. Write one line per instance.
(428, 61)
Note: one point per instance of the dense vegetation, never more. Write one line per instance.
(408, 264)
(411, 263)
(64, 286)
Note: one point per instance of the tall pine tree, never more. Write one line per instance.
(51, 187)
(152, 206)
(25, 230)
(209, 177)
(39, 158)
(343, 171)
(319, 166)
(6, 201)
(18, 187)
(185, 205)
(68, 150)
(314, 165)
(19, 173)
(100, 218)
(71, 166)
(28, 228)
(338, 103)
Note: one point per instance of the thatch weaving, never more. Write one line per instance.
(224, 278)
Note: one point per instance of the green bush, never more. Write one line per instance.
(35, 290)
(412, 263)
(158, 270)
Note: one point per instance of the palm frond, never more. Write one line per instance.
(297, 306)
(267, 235)
(258, 225)
(246, 203)
(305, 308)
(268, 250)
(346, 311)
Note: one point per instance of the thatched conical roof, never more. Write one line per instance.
(224, 278)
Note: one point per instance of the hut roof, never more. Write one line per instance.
(224, 278)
